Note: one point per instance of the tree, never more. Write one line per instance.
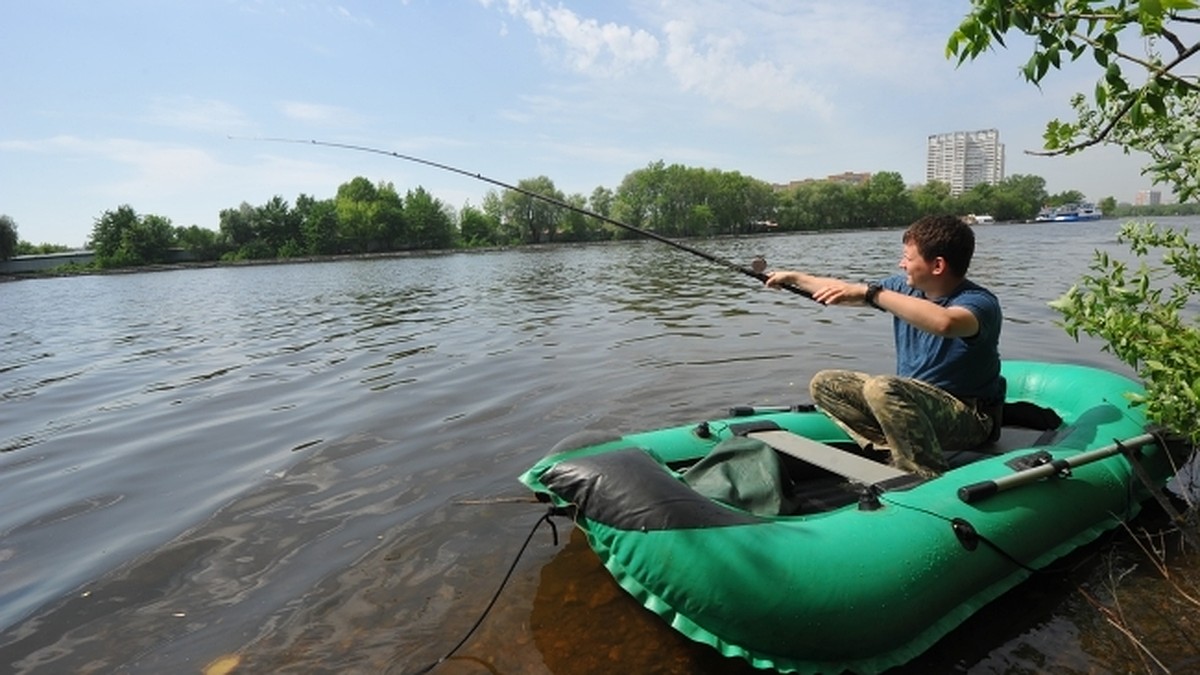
(478, 228)
(1139, 313)
(151, 239)
(358, 205)
(1019, 197)
(278, 226)
(889, 203)
(429, 224)
(1157, 112)
(601, 201)
(538, 220)
(8, 237)
(201, 242)
(1065, 197)
(634, 199)
(391, 221)
(932, 197)
(318, 224)
(122, 238)
(237, 226)
(575, 225)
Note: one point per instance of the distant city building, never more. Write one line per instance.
(848, 177)
(964, 159)
(1148, 198)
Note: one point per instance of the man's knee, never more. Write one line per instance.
(879, 391)
(833, 385)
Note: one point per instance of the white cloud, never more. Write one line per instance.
(585, 45)
(710, 66)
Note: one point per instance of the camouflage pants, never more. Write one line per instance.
(915, 421)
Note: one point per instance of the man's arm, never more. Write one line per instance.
(825, 290)
(953, 321)
(928, 316)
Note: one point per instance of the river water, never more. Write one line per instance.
(312, 467)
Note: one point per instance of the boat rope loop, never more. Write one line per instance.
(546, 518)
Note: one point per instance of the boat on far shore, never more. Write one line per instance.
(981, 219)
(1068, 213)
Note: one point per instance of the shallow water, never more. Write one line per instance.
(311, 468)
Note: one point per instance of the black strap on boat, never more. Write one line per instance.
(546, 518)
(969, 537)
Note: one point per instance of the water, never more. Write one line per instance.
(311, 468)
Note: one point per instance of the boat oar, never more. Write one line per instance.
(757, 271)
(984, 489)
(748, 410)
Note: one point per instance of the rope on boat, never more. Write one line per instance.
(546, 518)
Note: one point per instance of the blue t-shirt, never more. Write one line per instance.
(966, 367)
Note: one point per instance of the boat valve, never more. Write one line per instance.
(966, 533)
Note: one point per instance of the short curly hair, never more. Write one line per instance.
(946, 237)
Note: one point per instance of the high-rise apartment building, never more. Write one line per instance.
(964, 159)
(1148, 198)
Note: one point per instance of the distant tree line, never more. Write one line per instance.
(672, 200)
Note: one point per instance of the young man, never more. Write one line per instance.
(947, 391)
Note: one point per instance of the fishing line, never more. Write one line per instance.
(547, 518)
(756, 272)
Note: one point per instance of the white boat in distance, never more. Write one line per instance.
(1068, 213)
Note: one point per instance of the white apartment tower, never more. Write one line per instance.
(964, 159)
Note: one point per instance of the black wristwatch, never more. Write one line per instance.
(872, 291)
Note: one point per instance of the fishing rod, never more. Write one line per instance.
(756, 271)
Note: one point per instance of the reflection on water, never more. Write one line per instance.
(312, 467)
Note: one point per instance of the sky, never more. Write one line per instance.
(162, 104)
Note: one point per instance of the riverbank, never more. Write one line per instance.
(75, 270)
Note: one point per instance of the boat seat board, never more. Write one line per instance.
(851, 466)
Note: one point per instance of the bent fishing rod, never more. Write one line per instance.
(755, 272)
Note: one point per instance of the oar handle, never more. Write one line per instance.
(976, 492)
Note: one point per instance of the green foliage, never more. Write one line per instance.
(478, 228)
(578, 227)
(8, 237)
(535, 219)
(318, 224)
(1156, 110)
(1143, 315)
(884, 201)
(1066, 197)
(122, 238)
(428, 219)
(685, 201)
(27, 248)
(358, 205)
(201, 242)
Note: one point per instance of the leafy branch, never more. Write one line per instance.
(1118, 111)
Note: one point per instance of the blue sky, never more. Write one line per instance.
(134, 101)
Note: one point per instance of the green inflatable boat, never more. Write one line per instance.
(771, 537)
